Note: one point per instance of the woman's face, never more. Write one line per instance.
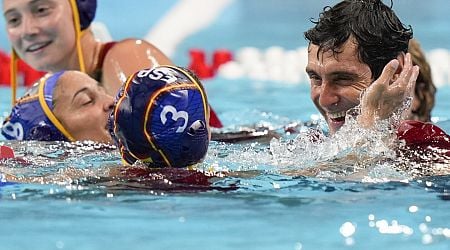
(41, 32)
(82, 107)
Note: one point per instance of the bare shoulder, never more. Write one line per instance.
(137, 49)
(126, 57)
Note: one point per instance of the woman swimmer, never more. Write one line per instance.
(160, 116)
(39, 33)
(65, 106)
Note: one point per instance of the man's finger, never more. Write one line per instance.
(412, 80)
(405, 75)
(388, 72)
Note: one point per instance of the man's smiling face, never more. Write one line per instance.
(337, 81)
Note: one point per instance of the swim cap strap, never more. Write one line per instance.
(76, 21)
(13, 76)
(129, 154)
(195, 81)
(48, 112)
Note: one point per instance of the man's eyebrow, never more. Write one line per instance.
(343, 73)
(8, 11)
(79, 92)
(310, 71)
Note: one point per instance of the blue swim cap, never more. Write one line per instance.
(32, 117)
(86, 12)
(161, 117)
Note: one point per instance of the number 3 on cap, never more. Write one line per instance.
(175, 116)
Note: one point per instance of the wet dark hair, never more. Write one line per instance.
(378, 32)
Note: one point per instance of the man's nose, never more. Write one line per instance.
(328, 95)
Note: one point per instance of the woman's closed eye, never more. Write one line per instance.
(87, 102)
(84, 99)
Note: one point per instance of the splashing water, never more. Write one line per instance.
(352, 153)
(58, 162)
(351, 150)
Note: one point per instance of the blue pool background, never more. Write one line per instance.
(302, 213)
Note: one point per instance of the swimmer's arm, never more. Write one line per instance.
(65, 176)
(127, 57)
(8, 177)
(387, 94)
(24, 179)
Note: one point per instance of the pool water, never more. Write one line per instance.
(261, 204)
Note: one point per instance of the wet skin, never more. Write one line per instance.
(41, 33)
(338, 80)
(83, 107)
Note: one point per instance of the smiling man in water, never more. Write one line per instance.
(357, 55)
(349, 46)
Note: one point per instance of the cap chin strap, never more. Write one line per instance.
(149, 159)
(196, 83)
(12, 76)
(76, 22)
(48, 112)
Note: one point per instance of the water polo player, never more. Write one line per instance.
(55, 35)
(161, 118)
(65, 106)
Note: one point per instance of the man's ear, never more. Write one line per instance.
(401, 62)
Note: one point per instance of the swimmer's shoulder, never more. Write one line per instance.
(126, 57)
(136, 50)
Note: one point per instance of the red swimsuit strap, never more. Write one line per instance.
(105, 49)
